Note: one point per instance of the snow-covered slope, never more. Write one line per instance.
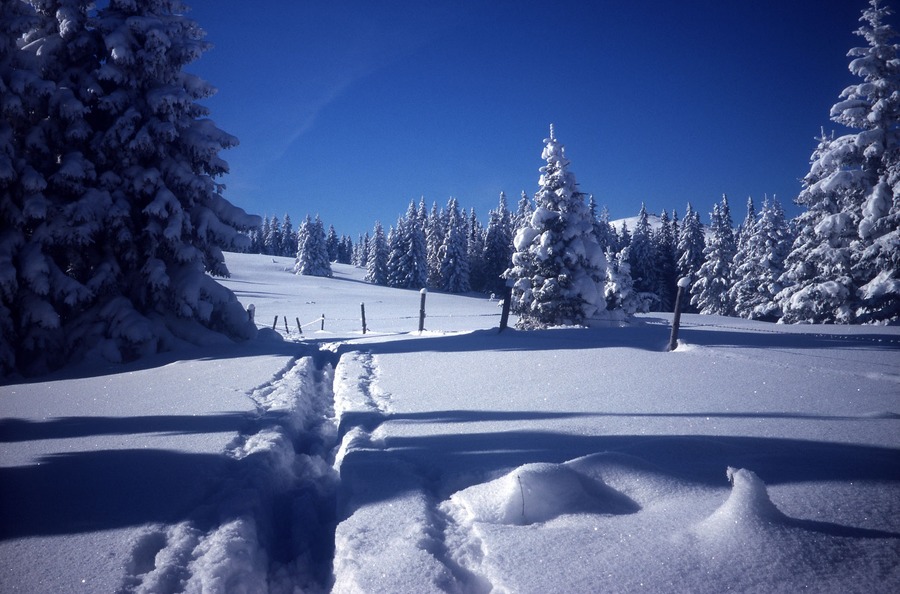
(755, 457)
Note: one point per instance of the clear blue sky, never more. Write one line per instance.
(349, 109)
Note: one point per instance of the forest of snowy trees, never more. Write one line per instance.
(114, 222)
(837, 262)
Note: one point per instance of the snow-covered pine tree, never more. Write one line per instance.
(288, 237)
(331, 244)
(23, 93)
(398, 248)
(524, 210)
(666, 274)
(759, 263)
(454, 252)
(691, 244)
(497, 247)
(312, 255)
(131, 221)
(377, 257)
(475, 252)
(274, 238)
(619, 287)
(709, 294)
(361, 251)
(435, 239)
(744, 231)
(603, 231)
(345, 250)
(558, 269)
(845, 261)
(642, 258)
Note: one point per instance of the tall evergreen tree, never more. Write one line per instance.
(845, 261)
(524, 210)
(376, 262)
(288, 237)
(331, 244)
(475, 252)
(558, 269)
(131, 221)
(666, 272)
(497, 247)
(759, 264)
(709, 294)
(435, 239)
(642, 257)
(312, 254)
(691, 243)
(454, 252)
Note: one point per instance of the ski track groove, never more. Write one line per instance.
(270, 524)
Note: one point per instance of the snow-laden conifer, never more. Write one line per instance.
(497, 247)
(312, 254)
(131, 221)
(454, 252)
(759, 263)
(709, 294)
(377, 257)
(558, 269)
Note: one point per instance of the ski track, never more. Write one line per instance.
(269, 526)
(418, 526)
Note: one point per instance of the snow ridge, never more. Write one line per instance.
(270, 527)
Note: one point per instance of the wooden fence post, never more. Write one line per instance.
(299, 327)
(504, 312)
(423, 292)
(362, 309)
(251, 313)
(286, 329)
(323, 322)
(683, 284)
(275, 323)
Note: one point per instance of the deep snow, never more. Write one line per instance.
(755, 457)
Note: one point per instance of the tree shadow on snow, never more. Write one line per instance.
(106, 489)
(16, 430)
(695, 458)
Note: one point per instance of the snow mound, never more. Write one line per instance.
(748, 507)
(537, 493)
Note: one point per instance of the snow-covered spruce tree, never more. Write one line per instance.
(558, 269)
(273, 238)
(497, 247)
(691, 243)
(475, 252)
(312, 254)
(524, 210)
(603, 231)
(665, 265)
(22, 204)
(377, 257)
(709, 294)
(642, 258)
(288, 237)
(619, 286)
(434, 237)
(845, 261)
(331, 244)
(131, 220)
(759, 263)
(454, 252)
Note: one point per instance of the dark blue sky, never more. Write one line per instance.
(351, 109)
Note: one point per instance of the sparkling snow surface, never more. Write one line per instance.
(755, 457)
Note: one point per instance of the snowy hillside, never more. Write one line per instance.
(754, 458)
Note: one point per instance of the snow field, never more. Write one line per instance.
(753, 458)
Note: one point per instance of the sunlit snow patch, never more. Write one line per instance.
(537, 493)
(748, 507)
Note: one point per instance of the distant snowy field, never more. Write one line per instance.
(754, 458)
